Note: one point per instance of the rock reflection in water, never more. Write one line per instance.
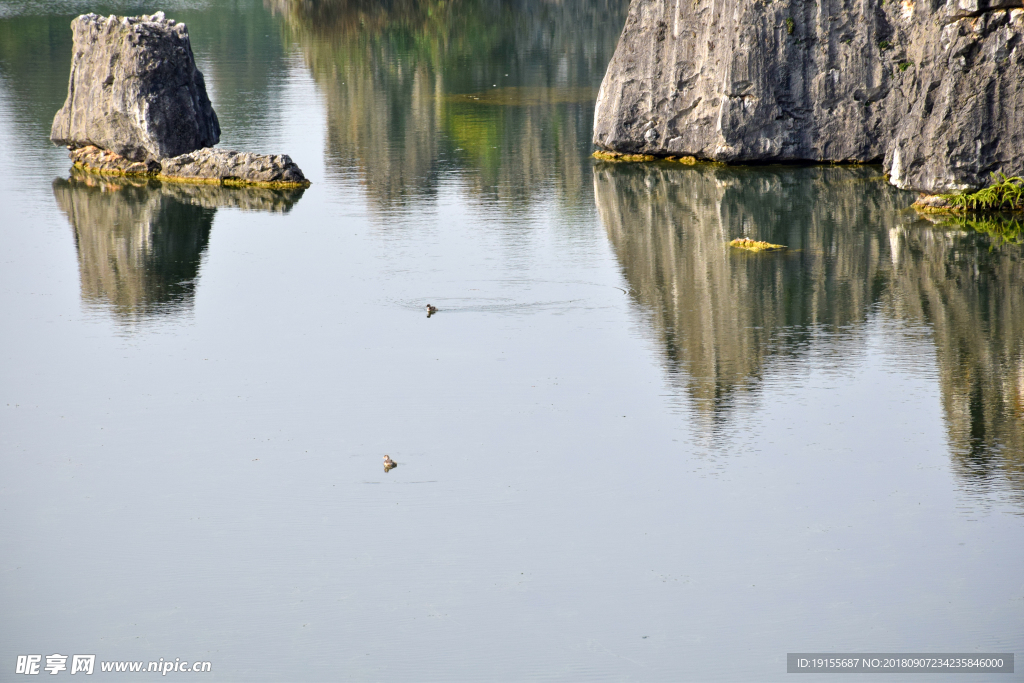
(140, 242)
(972, 293)
(718, 310)
(499, 94)
(723, 316)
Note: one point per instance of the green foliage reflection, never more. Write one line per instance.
(499, 93)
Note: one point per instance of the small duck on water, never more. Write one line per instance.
(431, 310)
(389, 464)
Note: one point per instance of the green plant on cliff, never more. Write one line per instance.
(1004, 193)
(905, 65)
(884, 45)
(790, 25)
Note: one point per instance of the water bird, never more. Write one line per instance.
(389, 464)
(431, 310)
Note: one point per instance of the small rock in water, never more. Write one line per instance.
(931, 203)
(137, 106)
(218, 166)
(228, 167)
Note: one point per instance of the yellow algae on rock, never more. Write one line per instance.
(202, 166)
(615, 156)
(754, 245)
(605, 155)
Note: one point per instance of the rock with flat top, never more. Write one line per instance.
(208, 166)
(229, 167)
(135, 90)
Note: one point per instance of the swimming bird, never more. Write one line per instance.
(431, 310)
(389, 464)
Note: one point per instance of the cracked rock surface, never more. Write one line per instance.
(227, 166)
(216, 166)
(135, 89)
(137, 106)
(934, 91)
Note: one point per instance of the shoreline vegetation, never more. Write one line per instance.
(995, 210)
(1004, 195)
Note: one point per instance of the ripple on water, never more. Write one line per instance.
(561, 296)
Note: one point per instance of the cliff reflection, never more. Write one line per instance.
(972, 293)
(140, 243)
(499, 95)
(720, 312)
(723, 316)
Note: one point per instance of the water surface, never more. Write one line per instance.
(625, 451)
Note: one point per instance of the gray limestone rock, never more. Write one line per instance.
(208, 165)
(135, 89)
(226, 166)
(936, 91)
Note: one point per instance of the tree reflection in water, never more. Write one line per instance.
(724, 316)
(500, 95)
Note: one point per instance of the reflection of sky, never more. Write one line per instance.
(558, 496)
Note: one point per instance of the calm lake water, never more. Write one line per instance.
(625, 452)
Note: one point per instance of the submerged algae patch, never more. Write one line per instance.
(755, 246)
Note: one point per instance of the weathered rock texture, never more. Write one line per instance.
(227, 167)
(218, 166)
(135, 89)
(137, 106)
(936, 91)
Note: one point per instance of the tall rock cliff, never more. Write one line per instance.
(934, 90)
